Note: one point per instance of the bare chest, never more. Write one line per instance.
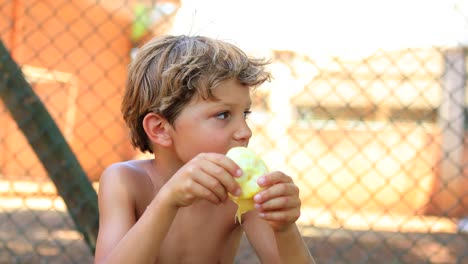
(202, 233)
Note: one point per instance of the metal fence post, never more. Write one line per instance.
(451, 123)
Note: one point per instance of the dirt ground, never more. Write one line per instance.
(48, 236)
(36, 228)
(350, 246)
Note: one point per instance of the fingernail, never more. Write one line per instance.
(261, 180)
(257, 198)
(257, 206)
(238, 192)
(239, 172)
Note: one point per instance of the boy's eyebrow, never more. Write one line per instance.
(249, 104)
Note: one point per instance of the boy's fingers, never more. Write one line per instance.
(222, 177)
(273, 178)
(281, 216)
(210, 183)
(224, 169)
(279, 203)
(277, 190)
(198, 190)
(225, 162)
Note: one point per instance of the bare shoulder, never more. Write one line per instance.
(127, 172)
(130, 167)
(123, 189)
(126, 179)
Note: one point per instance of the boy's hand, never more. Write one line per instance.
(207, 176)
(279, 202)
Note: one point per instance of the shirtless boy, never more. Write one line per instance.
(186, 102)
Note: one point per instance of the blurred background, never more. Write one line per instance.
(367, 111)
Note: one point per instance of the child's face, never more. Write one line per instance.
(213, 126)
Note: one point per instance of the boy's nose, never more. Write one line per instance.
(243, 132)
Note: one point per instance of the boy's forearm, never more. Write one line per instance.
(291, 246)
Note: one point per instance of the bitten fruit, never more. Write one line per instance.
(253, 167)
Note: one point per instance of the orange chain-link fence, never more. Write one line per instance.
(376, 142)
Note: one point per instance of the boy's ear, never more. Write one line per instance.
(156, 128)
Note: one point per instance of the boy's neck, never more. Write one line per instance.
(165, 164)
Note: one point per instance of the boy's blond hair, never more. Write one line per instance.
(169, 70)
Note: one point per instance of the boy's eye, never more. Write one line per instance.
(223, 115)
(227, 114)
(247, 113)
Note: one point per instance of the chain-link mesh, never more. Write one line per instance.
(375, 142)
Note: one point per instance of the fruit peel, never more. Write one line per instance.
(253, 168)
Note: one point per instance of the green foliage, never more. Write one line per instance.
(141, 22)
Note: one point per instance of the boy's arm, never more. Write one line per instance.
(286, 246)
(121, 238)
(292, 247)
(278, 204)
(261, 237)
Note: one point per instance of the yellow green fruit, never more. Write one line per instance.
(253, 167)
